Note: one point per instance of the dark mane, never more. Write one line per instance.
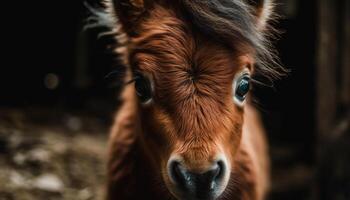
(233, 22)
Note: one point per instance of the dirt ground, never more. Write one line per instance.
(51, 155)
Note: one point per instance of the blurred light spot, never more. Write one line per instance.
(19, 159)
(51, 81)
(73, 123)
(85, 194)
(48, 182)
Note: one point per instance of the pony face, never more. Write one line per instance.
(186, 86)
(192, 74)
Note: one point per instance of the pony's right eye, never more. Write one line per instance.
(143, 88)
(241, 87)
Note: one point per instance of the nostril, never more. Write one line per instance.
(212, 173)
(220, 170)
(176, 173)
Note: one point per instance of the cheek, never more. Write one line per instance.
(233, 133)
(157, 132)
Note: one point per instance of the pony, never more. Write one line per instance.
(186, 127)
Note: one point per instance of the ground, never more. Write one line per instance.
(51, 155)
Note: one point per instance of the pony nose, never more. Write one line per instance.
(197, 185)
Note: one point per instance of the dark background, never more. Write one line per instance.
(46, 40)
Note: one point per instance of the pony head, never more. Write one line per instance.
(191, 64)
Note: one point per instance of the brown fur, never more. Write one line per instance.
(192, 113)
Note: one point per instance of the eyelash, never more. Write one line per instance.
(135, 77)
(133, 80)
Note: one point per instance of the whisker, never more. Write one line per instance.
(260, 83)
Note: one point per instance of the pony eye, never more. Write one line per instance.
(242, 86)
(143, 88)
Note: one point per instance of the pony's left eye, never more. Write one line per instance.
(143, 88)
(241, 89)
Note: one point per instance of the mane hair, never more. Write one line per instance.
(232, 22)
(102, 19)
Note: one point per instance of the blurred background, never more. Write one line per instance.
(56, 104)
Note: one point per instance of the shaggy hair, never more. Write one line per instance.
(233, 23)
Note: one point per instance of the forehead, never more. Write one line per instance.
(166, 43)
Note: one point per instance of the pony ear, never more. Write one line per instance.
(129, 12)
(262, 10)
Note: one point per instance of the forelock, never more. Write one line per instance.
(232, 22)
